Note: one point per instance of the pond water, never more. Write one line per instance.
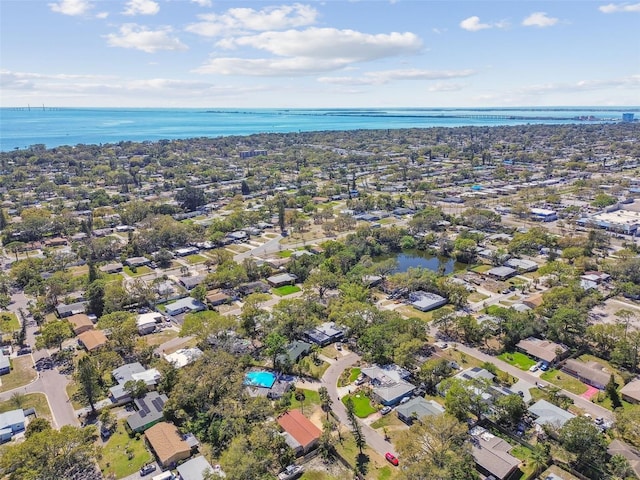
(416, 258)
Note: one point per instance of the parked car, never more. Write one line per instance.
(533, 368)
(385, 410)
(544, 367)
(391, 458)
(338, 346)
(405, 400)
(147, 469)
(360, 381)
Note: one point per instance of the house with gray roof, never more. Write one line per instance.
(522, 265)
(389, 384)
(5, 364)
(418, 408)
(184, 305)
(324, 334)
(196, 468)
(282, 279)
(425, 301)
(149, 411)
(547, 413)
(631, 392)
(65, 311)
(501, 273)
(491, 454)
(591, 373)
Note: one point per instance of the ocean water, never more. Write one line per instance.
(20, 128)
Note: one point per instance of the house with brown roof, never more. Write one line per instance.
(80, 323)
(631, 392)
(591, 373)
(533, 301)
(93, 339)
(217, 297)
(301, 434)
(167, 444)
(542, 350)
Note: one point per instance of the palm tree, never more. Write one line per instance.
(539, 457)
(300, 397)
(325, 400)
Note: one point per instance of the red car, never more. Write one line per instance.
(391, 458)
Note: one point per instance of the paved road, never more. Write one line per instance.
(50, 382)
(270, 246)
(375, 441)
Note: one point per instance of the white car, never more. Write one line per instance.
(533, 368)
(405, 400)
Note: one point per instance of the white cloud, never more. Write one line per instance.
(202, 3)
(102, 15)
(620, 7)
(310, 51)
(242, 20)
(383, 77)
(632, 81)
(141, 38)
(141, 7)
(473, 24)
(71, 7)
(346, 46)
(446, 87)
(539, 19)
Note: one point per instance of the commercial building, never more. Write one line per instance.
(425, 301)
(543, 215)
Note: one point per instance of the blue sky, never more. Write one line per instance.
(332, 53)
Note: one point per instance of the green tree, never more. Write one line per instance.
(510, 409)
(275, 344)
(95, 296)
(436, 450)
(88, 377)
(612, 392)
(53, 333)
(135, 388)
(49, 454)
(37, 425)
(582, 438)
(190, 198)
(325, 400)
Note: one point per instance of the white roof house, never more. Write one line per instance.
(184, 356)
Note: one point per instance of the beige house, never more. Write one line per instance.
(167, 444)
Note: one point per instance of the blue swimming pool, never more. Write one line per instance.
(260, 379)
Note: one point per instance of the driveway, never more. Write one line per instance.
(330, 379)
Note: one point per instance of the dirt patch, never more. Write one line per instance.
(606, 312)
(334, 469)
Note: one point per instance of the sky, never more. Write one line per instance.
(313, 54)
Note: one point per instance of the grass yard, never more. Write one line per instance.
(113, 277)
(194, 259)
(311, 399)
(284, 253)
(316, 371)
(329, 351)
(139, 271)
(517, 359)
(79, 270)
(237, 248)
(526, 467)
(361, 404)
(377, 467)
(564, 381)
(9, 322)
(37, 401)
(22, 373)
(355, 373)
(286, 290)
(160, 337)
(317, 475)
(122, 455)
(482, 268)
(476, 297)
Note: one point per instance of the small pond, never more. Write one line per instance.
(417, 258)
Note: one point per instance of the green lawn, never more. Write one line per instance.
(476, 297)
(564, 381)
(517, 359)
(311, 399)
(139, 271)
(355, 373)
(122, 455)
(284, 253)
(361, 404)
(22, 373)
(316, 475)
(316, 371)
(286, 290)
(38, 401)
(482, 268)
(9, 322)
(526, 467)
(193, 259)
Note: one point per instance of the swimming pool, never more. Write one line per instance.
(260, 378)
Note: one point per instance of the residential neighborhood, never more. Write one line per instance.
(437, 303)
